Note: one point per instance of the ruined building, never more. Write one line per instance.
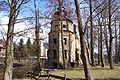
(70, 40)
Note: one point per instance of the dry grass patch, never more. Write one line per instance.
(98, 73)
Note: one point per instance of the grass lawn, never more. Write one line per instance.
(98, 73)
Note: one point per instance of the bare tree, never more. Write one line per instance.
(14, 11)
(63, 53)
(116, 45)
(119, 44)
(87, 70)
(111, 37)
(98, 46)
(101, 44)
(91, 34)
(37, 40)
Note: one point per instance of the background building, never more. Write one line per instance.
(2, 48)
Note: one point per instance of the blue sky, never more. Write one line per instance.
(27, 11)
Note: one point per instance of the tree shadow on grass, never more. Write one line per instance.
(96, 79)
(109, 79)
(101, 69)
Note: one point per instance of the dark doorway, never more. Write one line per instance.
(54, 54)
(72, 64)
(54, 65)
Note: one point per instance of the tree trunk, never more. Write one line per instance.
(63, 53)
(118, 57)
(100, 43)
(37, 28)
(9, 44)
(110, 38)
(86, 65)
(116, 44)
(91, 34)
(88, 44)
(101, 46)
(105, 35)
(98, 46)
(119, 45)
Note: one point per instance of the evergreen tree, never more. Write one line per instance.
(22, 49)
(29, 47)
(15, 51)
(33, 49)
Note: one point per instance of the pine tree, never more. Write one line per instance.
(29, 46)
(22, 49)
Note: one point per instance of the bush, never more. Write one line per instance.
(19, 73)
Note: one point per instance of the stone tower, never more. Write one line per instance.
(70, 40)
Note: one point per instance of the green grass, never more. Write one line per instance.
(105, 73)
(97, 72)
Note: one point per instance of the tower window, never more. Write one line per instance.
(64, 26)
(65, 41)
(65, 53)
(54, 54)
(56, 26)
(54, 40)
